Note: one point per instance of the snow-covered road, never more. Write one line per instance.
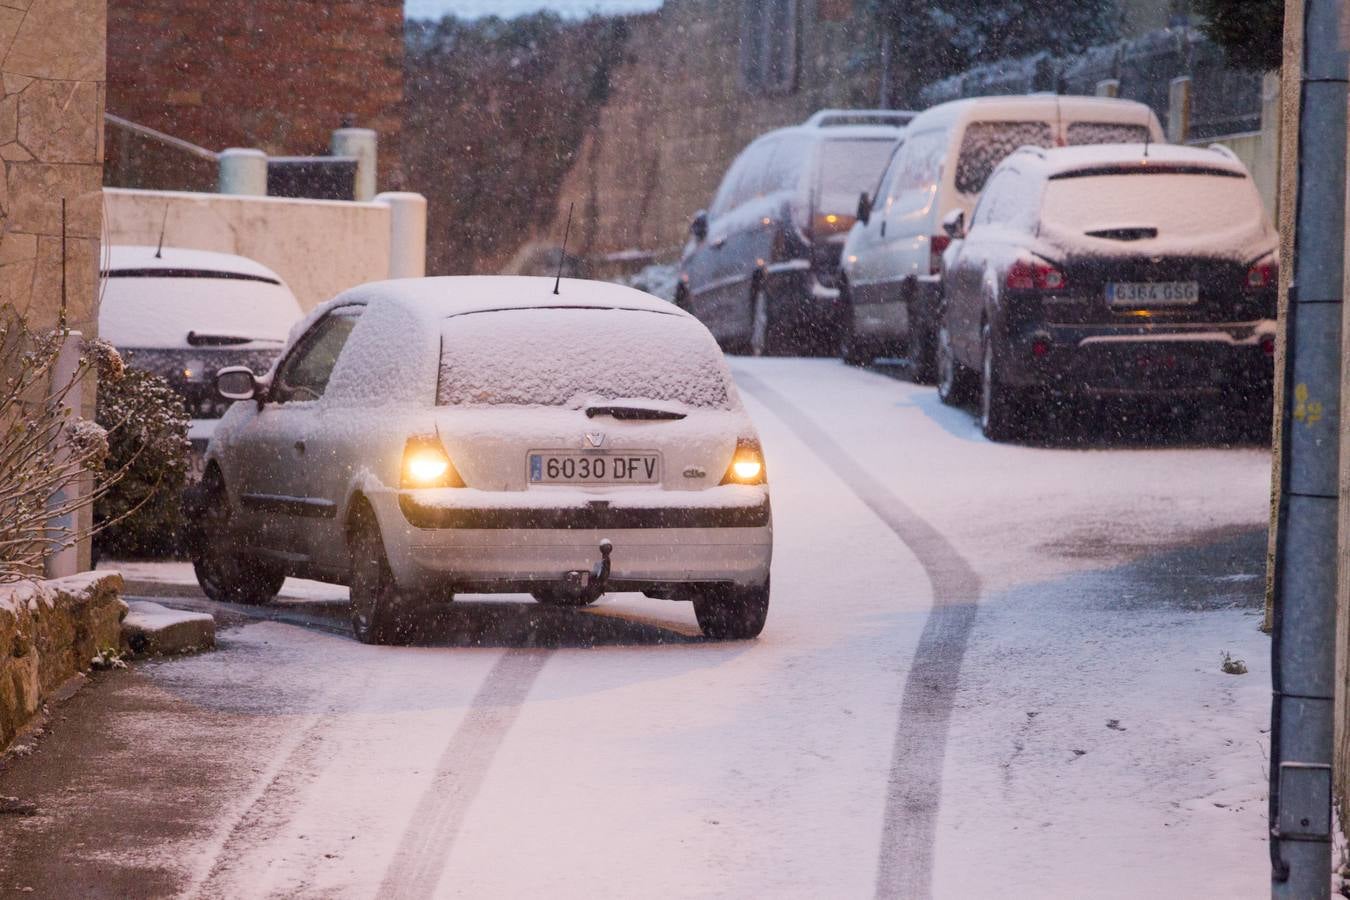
(988, 671)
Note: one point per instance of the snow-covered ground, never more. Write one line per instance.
(988, 671)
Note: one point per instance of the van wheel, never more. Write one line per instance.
(954, 380)
(920, 352)
(851, 350)
(1000, 410)
(763, 337)
(380, 613)
(730, 613)
(225, 574)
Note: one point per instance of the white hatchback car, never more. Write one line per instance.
(424, 437)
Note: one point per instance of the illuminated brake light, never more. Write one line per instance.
(427, 465)
(747, 464)
(1034, 275)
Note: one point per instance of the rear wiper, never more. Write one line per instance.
(632, 412)
(197, 339)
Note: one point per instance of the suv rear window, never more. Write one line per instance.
(1183, 202)
(986, 144)
(574, 356)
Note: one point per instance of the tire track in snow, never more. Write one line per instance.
(424, 850)
(914, 787)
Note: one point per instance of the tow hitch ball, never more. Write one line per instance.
(593, 582)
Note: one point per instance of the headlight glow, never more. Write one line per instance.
(747, 464)
(427, 465)
(747, 469)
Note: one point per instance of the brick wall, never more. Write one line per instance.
(279, 75)
(680, 111)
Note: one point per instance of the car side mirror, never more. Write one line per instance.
(864, 208)
(236, 383)
(699, 226)
(954, 223)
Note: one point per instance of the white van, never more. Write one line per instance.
(893, 257)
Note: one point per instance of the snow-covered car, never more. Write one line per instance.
(1121, 269)
(424, 437)
(185, 314)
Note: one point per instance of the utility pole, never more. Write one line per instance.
(1304, 643)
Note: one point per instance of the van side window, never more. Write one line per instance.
(725, 199)
(787, 165)
(918, 170)
(986, 144)
(1080, 133)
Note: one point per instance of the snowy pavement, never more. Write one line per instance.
(988, 671)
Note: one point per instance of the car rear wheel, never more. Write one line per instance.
(954, 380)
(731, 613)
(765, 336)
(852, 350)
(1000, 411)
(921, 350)
(380, 612)
(225, 574)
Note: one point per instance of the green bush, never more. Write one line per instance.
(147, 434)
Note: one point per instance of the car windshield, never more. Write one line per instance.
(1181, 204)
(847, 168)
(160, 312)
(575, 356)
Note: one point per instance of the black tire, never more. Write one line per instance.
(550, 597)
(851, 350)
(380, 612)
(764, 339)
(729, 613)
(955, 381)
(225, 574)
(921, 348)
(1000, 410)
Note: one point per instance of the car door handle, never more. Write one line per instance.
(300, 447)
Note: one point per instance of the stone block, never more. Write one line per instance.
(9, 118)
(81, 270)
(151, 629)
(36, 189)
(58, 121)
(60, 39)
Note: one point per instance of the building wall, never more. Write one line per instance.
(51, 149)
(319, 247)
(279, 75)
(680, 111)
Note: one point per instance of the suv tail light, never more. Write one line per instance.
(427, 465)
(747, 464)
(1034, 275)
(937, 245)
(1264, 273)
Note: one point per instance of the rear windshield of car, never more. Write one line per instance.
(849, 167)
(1186, 201)
(571, 357)
(160, 311)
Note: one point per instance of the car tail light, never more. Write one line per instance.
(1268, 346)
(427, 465)
(747, 464)
(1034, 275)
(1265, 273)
(937, 245)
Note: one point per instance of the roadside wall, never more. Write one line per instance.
(319, 247)
(49, 632)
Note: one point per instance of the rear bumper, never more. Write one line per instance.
(496, 550)
(1191, 359)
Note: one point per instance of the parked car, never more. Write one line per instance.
(762, 262)
(185, 314)
(892, 258)
(423, 437)
(1113, 270)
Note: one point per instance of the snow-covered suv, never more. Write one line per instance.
(486, 435)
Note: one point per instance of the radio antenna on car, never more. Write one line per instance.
(1148, 130)
(562, 255)
(163, 223)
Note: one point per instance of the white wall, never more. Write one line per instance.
(320, 247)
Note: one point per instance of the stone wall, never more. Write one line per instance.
(51, 149)
(680, 110)
(278, 75)
(49, 632)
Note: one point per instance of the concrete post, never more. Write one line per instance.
(1108, 87)
(1179, 110)
(361, 143)
(407, 234)
(67, 561)
(243, 171)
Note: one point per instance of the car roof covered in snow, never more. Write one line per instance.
(124, 258)
(1038, 106)
(1062, 161)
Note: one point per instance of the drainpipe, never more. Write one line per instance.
(1304, 643)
